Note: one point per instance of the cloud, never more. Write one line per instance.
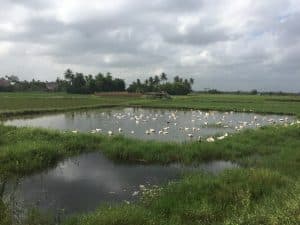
(226, 44)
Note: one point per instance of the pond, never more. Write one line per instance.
(155, 124)
(82, 183)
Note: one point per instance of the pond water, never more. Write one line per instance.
(82, 183)
(157, 124)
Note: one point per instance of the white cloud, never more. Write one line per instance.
(224, 44)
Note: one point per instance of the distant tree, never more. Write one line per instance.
(254, 92)
(176, 79)
(151, 80)
(12, 78)
(163, 77)
(180, 86)
(156, 80)
(69, 75)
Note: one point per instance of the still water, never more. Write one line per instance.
(82, 183)
(155, 124)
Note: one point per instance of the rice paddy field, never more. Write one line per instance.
(263, 189)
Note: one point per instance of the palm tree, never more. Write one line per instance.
(156, 80)
(191, 81)
(69, 75)
(151, 80)
(163, 77)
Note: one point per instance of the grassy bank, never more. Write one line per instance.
(29, 103)
(266, 190)
(252, 196)
(24, 150)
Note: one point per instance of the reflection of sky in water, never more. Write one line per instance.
(82, 183)
(178, 123)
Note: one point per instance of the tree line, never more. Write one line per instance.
(74, 82)
(86, 84)
(179, 86)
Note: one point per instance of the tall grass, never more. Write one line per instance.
(243, 196)
(24, 150)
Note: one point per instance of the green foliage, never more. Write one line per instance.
(81, 84)
(159, 83)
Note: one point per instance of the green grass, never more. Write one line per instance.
(24, 150)
(253, 196)
(30, 103)
(266, 190)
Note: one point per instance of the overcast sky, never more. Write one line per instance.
(223, 44)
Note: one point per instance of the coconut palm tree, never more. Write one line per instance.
(163, 77)
(191, 81)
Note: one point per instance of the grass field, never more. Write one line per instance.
(266, 190)
(29, 103)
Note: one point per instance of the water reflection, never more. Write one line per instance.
(82, 183)
(157, 124)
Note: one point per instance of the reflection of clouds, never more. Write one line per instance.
(99, 172)
(113, 118)
(47, 121)
(84, 182)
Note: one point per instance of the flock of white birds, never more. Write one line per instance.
(199, 119)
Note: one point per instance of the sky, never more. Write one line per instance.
(222, 44)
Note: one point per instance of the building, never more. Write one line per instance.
(4, 83)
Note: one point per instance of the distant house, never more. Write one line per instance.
(4, 83)
(51, 86)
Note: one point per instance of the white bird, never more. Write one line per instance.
(120, 129)
(135, 193)
(147, 132)
(221, 137)
(132, 132)
(152, 130)
(98, 130)
(75, 131)
(110, 133)
(210, 139)
(190, 135)
(165, 132)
